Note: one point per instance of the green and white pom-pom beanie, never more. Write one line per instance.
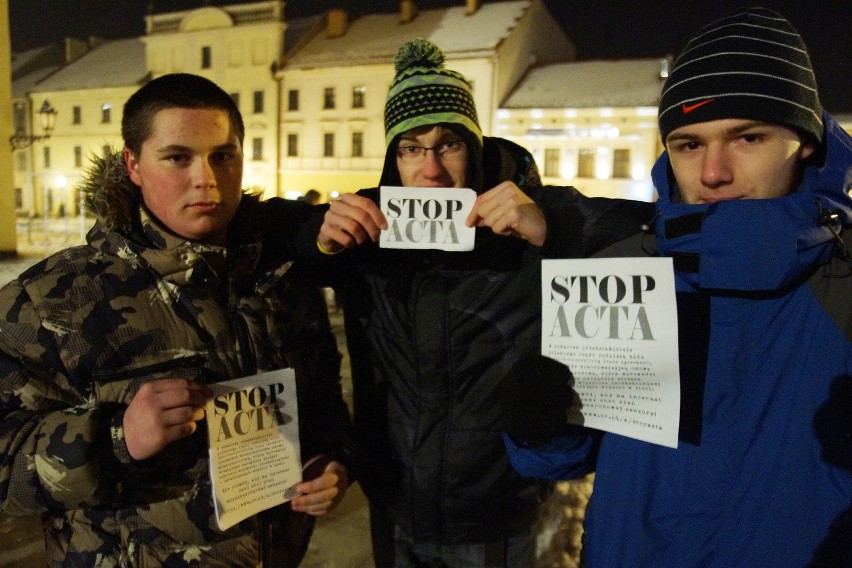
(424, 92)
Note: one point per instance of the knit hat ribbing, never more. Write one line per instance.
(424, 92)
(750, 64)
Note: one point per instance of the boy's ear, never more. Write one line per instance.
(807, 149)
(132, 163)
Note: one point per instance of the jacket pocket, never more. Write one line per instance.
(121, 384)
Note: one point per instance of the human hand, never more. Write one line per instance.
(325, 488)
(537, 394)
(350, 221)
(509, 211)
(162, 412)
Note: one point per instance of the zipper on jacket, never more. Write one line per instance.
(186, 362)
(245, 356)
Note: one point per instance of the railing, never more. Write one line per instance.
(43, 236)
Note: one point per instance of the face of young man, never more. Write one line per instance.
(728, 159)
(190, 171)
(444, 163)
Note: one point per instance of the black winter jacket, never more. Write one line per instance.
(431, 334)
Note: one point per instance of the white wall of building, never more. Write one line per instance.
(59, 162)
(239, 55)
(603, 152)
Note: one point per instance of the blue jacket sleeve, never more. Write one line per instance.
(568, 456)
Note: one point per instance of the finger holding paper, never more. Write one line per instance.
(508, 211)
(327, 481)
(350, 221)
(162, 412)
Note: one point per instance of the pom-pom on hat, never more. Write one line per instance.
(424, 92)
(749, 64)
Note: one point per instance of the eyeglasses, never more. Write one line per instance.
(447, 150)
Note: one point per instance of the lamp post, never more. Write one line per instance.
(20, 140)
(47, 119)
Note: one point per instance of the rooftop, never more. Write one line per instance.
(376, 38)
(32, 65)
(118, 63)
(583, 84)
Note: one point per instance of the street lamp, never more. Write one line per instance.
(47, 118)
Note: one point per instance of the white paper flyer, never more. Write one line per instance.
(427, 218)
(253, 429)
(613, 321)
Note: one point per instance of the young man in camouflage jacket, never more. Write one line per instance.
(105, 350)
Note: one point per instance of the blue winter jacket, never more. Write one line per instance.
(762, 475)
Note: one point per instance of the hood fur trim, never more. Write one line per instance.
(109, 194)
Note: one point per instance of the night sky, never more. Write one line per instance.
(601, 29)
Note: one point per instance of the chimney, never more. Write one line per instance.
(665, 66)
(74, 49)
(337, 21)
(472, 7)
(95, 41)
(407, 11)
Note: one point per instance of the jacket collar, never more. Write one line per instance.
(758, 244)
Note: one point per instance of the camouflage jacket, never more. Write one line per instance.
(82, 329)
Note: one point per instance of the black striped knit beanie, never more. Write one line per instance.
(424, 93)
(750, 64)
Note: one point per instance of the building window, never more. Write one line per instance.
(357, 144)
(76, 115)
(19, 198)
(258, 102)
(257, 149)
(621, 163)
(20, 117)
(78, 156)
(46, 155)
(293, 99)
(586, 163)
(292, 145)
(106, 113)
(205, 57)
(236, 98)
(328, 146)
(358, 96)
(21, 161)
(328, 98)
(551, 162)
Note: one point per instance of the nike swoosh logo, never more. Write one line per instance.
(689, 108)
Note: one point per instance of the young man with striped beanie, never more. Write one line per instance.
(755, 212)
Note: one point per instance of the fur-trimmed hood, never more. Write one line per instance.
(124, 224)
(110, 195)
(115, 201)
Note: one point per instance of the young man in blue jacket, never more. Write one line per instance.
(754, 209)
